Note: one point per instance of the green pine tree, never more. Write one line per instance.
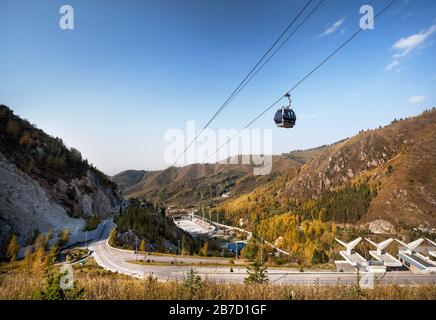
(256, 272)
(52, 289)
(192, 285)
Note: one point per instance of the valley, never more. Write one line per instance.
(231, 151)
(219, 221)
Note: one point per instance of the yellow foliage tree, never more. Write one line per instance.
(142, 245)
(13, 248)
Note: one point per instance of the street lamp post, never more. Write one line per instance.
(136, 248)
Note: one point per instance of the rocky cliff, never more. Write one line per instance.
(44, 185)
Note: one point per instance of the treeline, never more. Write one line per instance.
(346, 204)
(40, 155)
(307, 241)
(254, 206)
(40, 255)
(303, 228)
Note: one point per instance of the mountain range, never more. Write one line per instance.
(384, 178)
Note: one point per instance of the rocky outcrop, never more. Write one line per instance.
(381, 226)
(340, 163)
(27, 204)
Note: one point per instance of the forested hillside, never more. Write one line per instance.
(150, 229)
(385, 174)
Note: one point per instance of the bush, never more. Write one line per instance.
(52, 289)
(319, 256)
(192, 285)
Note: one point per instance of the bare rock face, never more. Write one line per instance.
(340, 163)
(381, 226)
(94, 198)
(27, 205)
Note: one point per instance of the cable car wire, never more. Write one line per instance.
(281, 45)
(302, 80)
(244, 81)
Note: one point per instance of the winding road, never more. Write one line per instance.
(116, 260)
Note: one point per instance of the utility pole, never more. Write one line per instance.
(261, 250)
(136, 247)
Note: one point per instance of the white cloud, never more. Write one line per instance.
(417, 99)
(333, 28)
(392, 65)
(407, 45)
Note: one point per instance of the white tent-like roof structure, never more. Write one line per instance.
(381, 255)
(352, 257)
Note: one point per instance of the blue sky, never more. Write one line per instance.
(130, 70)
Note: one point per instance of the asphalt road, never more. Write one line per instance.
(116, 260)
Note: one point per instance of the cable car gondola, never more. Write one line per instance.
(285, 117)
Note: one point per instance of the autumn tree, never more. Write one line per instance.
(40, 242)
(113, 237)
(13, 248)
(142, 245)
(28, 260)
(25, 140)
(39, 260)
(204, 251)
(51, 256)
(251, 249)
(64, 237)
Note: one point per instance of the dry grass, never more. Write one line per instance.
(103, 285)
